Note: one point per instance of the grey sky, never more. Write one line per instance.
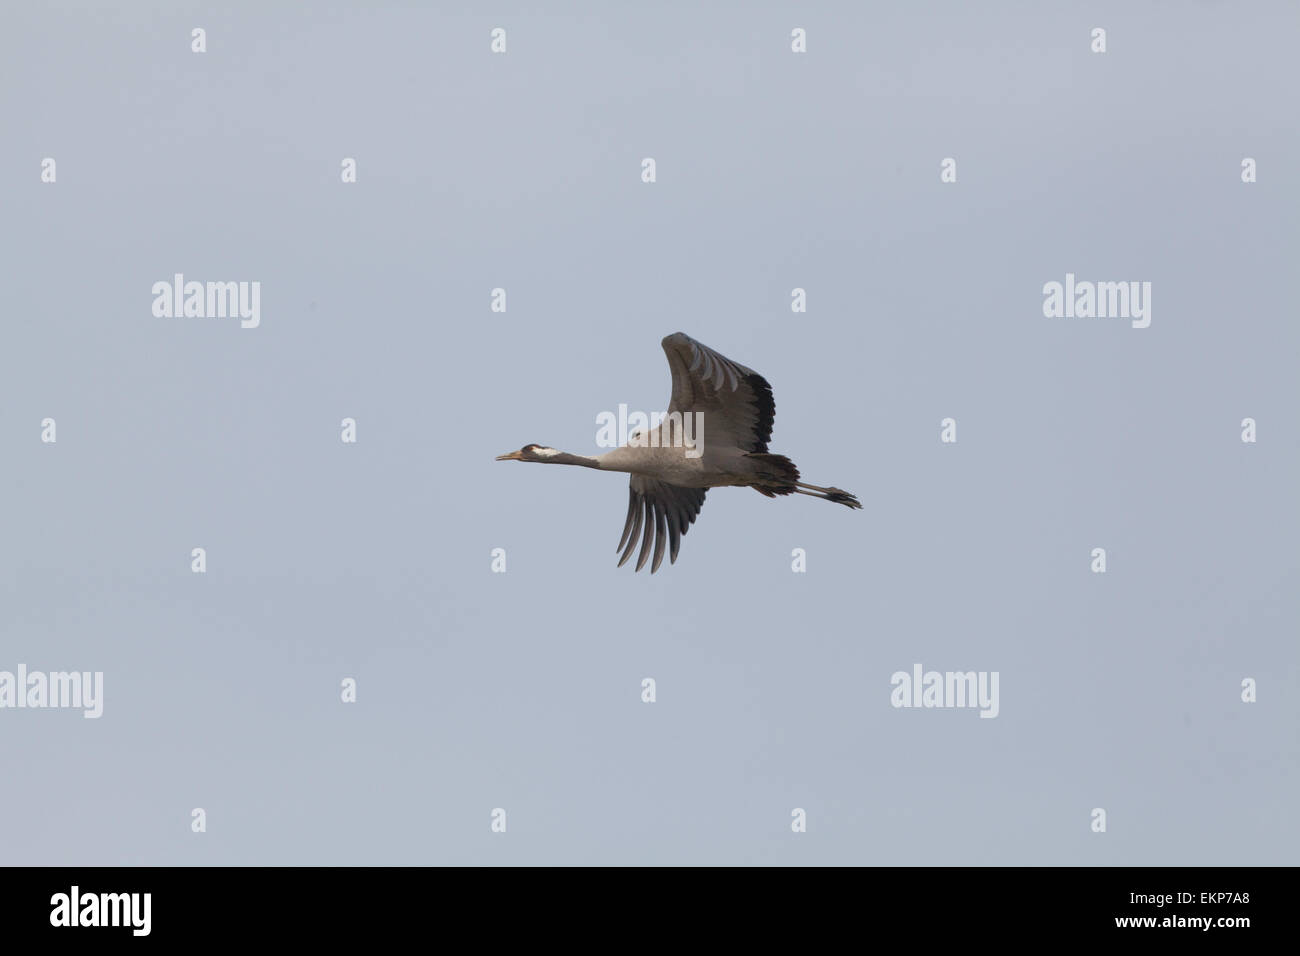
(522, 690)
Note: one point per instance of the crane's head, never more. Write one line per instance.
(530, 453)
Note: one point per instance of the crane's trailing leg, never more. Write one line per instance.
(777, 475)
(837, 495)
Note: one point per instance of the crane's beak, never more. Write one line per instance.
(511, 456)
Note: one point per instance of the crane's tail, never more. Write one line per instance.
(773, 474)
(777, 475)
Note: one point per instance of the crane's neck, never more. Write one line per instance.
(564, 458)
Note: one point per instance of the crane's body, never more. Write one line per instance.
(672, 466)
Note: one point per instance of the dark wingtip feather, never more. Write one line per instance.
(649, 534)
(766, 411)
(661, 538)
(636, 527)
(627, 525)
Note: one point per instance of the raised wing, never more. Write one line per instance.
(736, 401)
(665, 510)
